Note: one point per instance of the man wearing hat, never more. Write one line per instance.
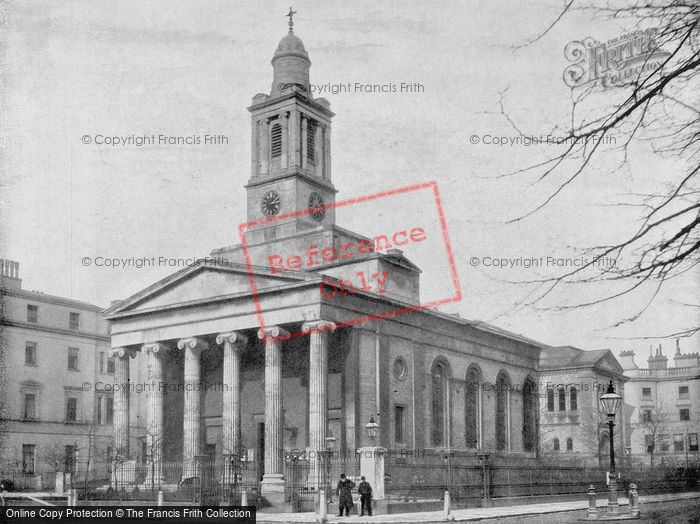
(365, 491)
(344, 492)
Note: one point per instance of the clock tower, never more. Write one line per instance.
(291, 155)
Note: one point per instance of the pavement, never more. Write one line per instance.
(473, 514)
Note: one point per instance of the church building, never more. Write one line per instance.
(219, 382)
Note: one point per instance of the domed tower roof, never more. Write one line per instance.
(290, 64)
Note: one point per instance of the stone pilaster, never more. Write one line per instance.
(273, 479)
(304, 141)
(121, 358)
(155, 435)
(284, 120)
(265, 147)
(233, 345)
(318, 381)
(191, 445)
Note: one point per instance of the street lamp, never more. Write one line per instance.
(372, 428)
(330, 444)
(610, 402)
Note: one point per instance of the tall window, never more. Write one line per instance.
(32, 313)
(569, 444)
(550, 399)
(663, 443)
(30, 353)
(692, 441)
(102, 361)
(110, 365)
(555, 444)
(684, 414)
(682, 392)
(529, 415)
(28, 451)
(30, 406)
(573, 399)
(399, 424)
(70, 458)
(276, 140)
(109, 410)
(649, 443)
(73, 359)
(73, 320)
(98, 414)
(439, 402)
(678, 442)
(502, 415)
(646, 415)
(71, 409)
(562, 399)
(311, 142)
(472, 394)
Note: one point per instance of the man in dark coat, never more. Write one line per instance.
(344, 492)
(365, 491)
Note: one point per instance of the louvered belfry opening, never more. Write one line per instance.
(276, 140)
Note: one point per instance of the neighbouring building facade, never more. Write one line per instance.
(572, 426)
(664, 407)
(55, 351)
(216, 383)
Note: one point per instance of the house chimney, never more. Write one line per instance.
(627, 360)
(9, 275)
(658, 361)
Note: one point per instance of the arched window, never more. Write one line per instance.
(440, 374)
(569, 444)
(529, 415)
(562, 399)
(555, 444)
(276, 140)
(550, 399)
(311, 142)
(573, 399)
(472, 407)
(502, 408)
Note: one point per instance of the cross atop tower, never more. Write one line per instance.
(290, 15)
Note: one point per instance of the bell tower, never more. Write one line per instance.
(291, 149)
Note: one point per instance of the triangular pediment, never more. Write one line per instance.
(203, 283)
(609, 363)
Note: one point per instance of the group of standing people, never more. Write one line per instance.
(344, 493)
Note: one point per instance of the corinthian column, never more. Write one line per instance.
(233, 345)
(191, 443)
(154, 424)
(121, 358)
(318, 380)
(273, 479)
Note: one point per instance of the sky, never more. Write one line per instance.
(76, 70)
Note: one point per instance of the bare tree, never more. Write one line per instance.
(651, 423)
(654, 104)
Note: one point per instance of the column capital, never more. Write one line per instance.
(272, 332)
(121, 353)
(154, 347)
(192, 343)
(232, 337)
(320, 326)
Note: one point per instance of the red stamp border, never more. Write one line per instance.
(342, 203)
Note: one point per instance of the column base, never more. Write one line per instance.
(272, 483)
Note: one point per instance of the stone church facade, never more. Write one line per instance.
(218, 383)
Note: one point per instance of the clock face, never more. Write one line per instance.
(316, 206)
(270, 203)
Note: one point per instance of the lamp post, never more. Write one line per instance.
(330, 444)
(610, 402)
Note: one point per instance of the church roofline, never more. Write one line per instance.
(279, 100)
(292, 172)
